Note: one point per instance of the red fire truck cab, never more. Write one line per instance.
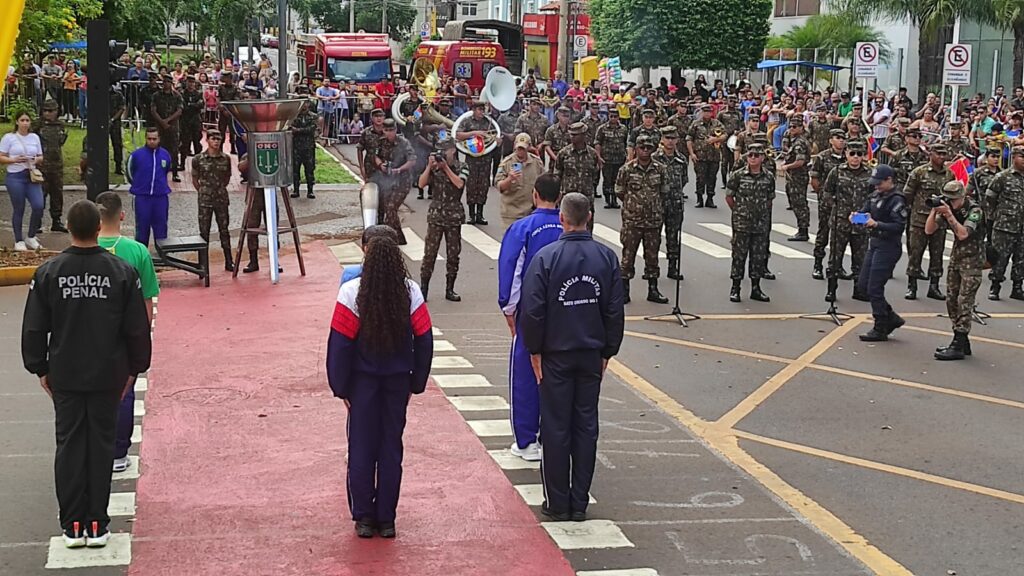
(341, 57)
(469, 59)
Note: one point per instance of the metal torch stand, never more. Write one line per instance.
(262, 228)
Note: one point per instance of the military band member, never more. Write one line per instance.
(824, 162)
(642, 185)
(211, 173)
(704, 141)
(610, 145)
(749, 194)
(924, 182)
(796, 167)
(1005, 207)
(578, 167)
(479, 181)
(682, 119)
(964, 216)
(369, 138)
(52, 135)
(393, 162)
(446, 177)
(732, 119)
(556, 136)
(848, 187)
(646, 127)
(819, 131)
(533, 123)
(676, 171)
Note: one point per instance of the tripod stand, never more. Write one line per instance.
(978, 316)
(677, 313)
(833, 312)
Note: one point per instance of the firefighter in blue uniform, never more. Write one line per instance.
(887, 218)
(571, 321)
(523, 239)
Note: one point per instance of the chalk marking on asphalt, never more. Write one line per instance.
(117, 552)
(36, 455)
(723, 443)
(919, 386)
(797, 316)
(479, 239)
(704, 521)
(973, 337)
(448, 362)
(604, 461)
(732, 500)
(774, 247)
(752, 401)
(647, 440)
(7, 545)
(751, 543)
(882, 467)
(652, 453)
(611, 236)
(415, 247)
(709, 347)
(588, 534)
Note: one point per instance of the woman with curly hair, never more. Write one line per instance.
(378, 355)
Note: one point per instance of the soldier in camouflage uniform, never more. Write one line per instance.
(1005, 207)
(820, 131)
(979, 180)
(957, 144)
(646, 127)
(796, 166)
(53, 135)
(578, 167)
(610, 145)
(924, 182)
(211, 173)
(848, 187)
(894, 142)
(823, 164)
(593, 122)
(479, 181)
(682, 119)
(732, 119)
(394, 160)
(227, 92)
(909, 158)
(533, 123)
(855, 132)
(304, 149)
(369, 139)
(704, 141)
(191, 122)
(749, 193)
(966, 219)
(556, 136)
(446, 179)
(166, 110)
(642, 185)
(117, 110)
(676, 170)
(146, 94)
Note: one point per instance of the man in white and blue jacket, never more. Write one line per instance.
(522, 240)
(148, 168)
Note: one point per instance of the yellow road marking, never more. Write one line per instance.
(881, 467)
(723, 442)
(708, 347)
(973, 337)
(918, 385)
(748, 404)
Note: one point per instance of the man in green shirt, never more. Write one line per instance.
(111, 216)
(845, 106)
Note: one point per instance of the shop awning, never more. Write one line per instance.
(766, 64)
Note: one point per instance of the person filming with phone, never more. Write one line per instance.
(516, 177)
(884, 215)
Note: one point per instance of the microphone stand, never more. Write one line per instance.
(676, 313)
(832, 313)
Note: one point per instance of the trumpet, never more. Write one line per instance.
(717, 133)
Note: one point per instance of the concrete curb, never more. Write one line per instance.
(16, 275)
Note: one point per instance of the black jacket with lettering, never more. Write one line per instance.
(88, 303)
(890, 212)
(572, 298)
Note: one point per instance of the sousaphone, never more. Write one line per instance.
(424, 76)
(499, 91)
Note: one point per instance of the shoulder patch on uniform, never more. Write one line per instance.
(974, 216)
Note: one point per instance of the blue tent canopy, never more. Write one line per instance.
(76, 45)
(765, 64)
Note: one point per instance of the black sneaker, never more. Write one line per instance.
(364, 528)
(387, 530)
(577, 516)
(554, 516)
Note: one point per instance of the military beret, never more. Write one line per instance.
(837, 132)
(50, 105)
(214, 133)
(939, 148)
(1017, 151)
(855, 146)
(563, 110)
(669, 131)
(577, 129)
(953, 190)
(644, 140)
(915, 132)
(390, 123)
(755, 148)
(648, 112)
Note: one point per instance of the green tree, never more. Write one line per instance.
(46, 21)
(401, 16)
(839, 31)
(1009, 14)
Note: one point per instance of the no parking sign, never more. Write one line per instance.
(956, 66)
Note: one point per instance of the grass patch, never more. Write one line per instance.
(73, 153)
(329, 171)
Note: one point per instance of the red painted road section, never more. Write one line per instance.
(243, 451)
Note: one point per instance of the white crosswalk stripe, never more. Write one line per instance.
(415, 246)
(611, 236)
(774, 247)
(481, 241)
(702, 245)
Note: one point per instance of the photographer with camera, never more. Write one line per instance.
(446, 178)
(884, 215)
(966, 219)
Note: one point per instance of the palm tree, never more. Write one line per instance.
(1009, 14)
(835, 31)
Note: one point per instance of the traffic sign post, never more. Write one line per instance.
(865, 66)
(579, 46)
(956, 72)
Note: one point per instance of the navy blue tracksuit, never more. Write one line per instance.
(378, 389)
(572, 314)
(884, 249)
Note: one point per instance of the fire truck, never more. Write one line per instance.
(341, 57)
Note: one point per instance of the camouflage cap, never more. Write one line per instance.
(855, 146)
(903, 121)
(669, 131)
(755, 149)
(939, 148)
(648, 112)
(837, 132)
(953, 190)
(479, 104)
(706, 108)
(50, 105)
(563, 110)
(915, 132)
(645, 141)
(214, 133)
(577, 129)
(956, 124)
(389, 124)
(377, 112)
(1017, 151)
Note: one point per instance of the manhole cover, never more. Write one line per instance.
(203, 396)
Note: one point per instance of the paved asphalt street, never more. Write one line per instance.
(753, 442)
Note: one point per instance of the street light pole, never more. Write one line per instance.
(282, 45)
(384, 18)
(351, 16)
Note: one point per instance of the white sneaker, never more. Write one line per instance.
(531, 453)
(20, 247)
(98, 541)
(33, 244)
(121, 464)
(72, 542)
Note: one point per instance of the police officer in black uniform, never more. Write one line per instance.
(887, 218)
(575, 282)
(85, 334)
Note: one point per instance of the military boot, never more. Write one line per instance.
(911, 289)
(993, 293)
(424, 286)
(229, 264)
(58, 226)
(895, 321)
(711, 202)
(734, 293)
(253, 265)
(800, 236)
(625, 290)
(833, 285)
(419, 193)
(817, 272)
(673, 269)
(756, 293)
(1018, 291)
(933, 290)
(768, 275)
(966, 346)
(449, 290)
(700, 200)
(955, 350)
(480, 215)
(652, 292)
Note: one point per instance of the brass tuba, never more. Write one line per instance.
(500, 92)
(424, 76)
